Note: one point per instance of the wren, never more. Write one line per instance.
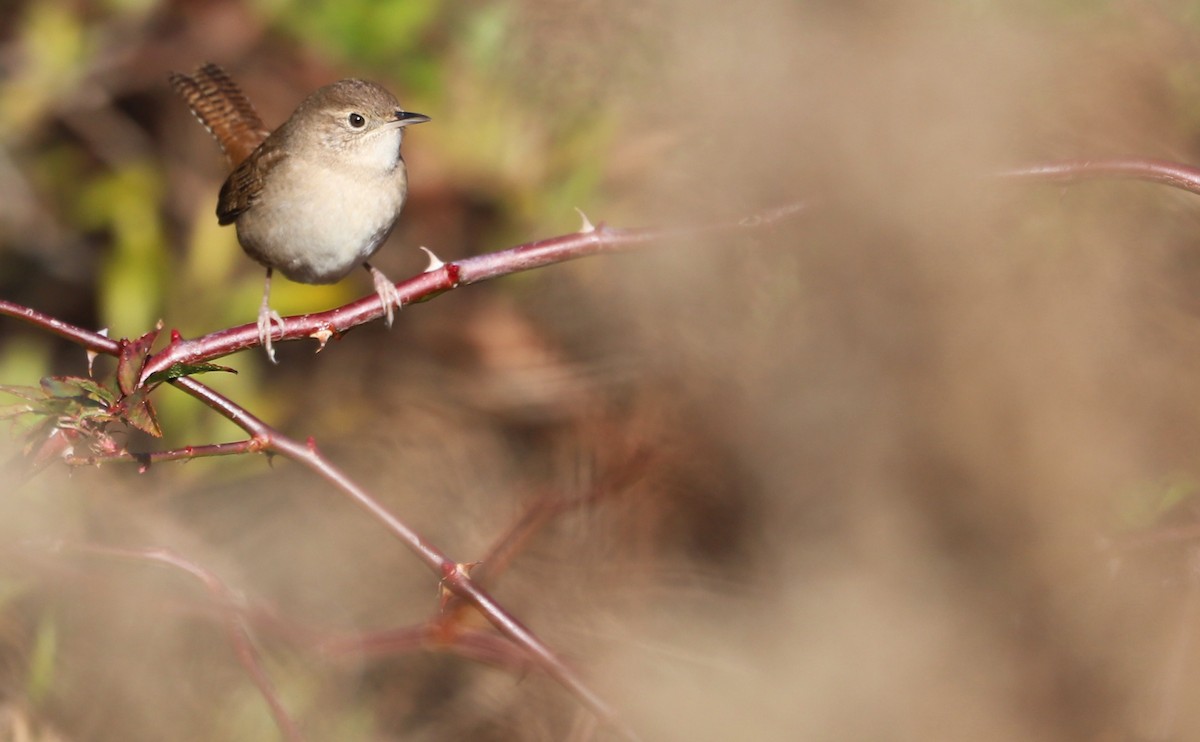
(317, 196)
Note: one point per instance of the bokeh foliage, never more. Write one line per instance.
(83, 100)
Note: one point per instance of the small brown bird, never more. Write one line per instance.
(317, 196)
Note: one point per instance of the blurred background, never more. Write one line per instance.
(922, 464)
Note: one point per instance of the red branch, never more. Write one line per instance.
(234, 448)
(439, 279)
(92, 341)
(1171, 174)
(453, 576)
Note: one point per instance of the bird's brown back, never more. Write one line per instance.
(220, 105)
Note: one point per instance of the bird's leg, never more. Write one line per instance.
(266, 316)
(386, 290)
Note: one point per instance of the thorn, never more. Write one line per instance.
(587, 223)
(434, 261)
(321, 335)
(460, 569)
(91, 354)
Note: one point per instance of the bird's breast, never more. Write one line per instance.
(316, 223)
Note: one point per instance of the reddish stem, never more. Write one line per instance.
(590, 241)
(448, 571)
(235, 448)
(1171, 174)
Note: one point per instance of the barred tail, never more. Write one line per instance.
(220, 105)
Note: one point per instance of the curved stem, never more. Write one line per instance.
(451, 573)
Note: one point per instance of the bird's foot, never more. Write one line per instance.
(387, 293)
(266, 316)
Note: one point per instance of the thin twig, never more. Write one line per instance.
(187, 453)
(452, 575)
(92, 341)
(1173, 174)
(441, 277)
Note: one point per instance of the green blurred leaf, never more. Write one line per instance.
(31, 393)
(54, 51)
(370, 31)
(127, 203)
(1142, 506)
(24, 359)
(487, 35)
(42, 659)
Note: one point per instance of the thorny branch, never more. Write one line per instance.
(454, 577)
(439, 278)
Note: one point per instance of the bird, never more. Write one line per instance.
(317, 196)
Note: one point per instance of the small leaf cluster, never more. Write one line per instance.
(72, 411)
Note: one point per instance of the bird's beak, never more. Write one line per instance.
(407, 118)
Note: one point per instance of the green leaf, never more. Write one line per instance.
(96, 390)
(60, 387)
(179, 370)
(73, 387)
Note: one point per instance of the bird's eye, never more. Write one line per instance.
(357, 120)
